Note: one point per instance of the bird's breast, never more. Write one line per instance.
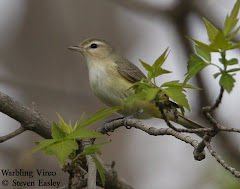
(112, 89)
(107, 84)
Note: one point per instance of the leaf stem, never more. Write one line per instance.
(154, 81)
(223, 54)
(216, 66)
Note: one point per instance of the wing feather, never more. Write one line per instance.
(129, 71)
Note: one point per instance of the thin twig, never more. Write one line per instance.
(92, 169)
(156, 132)
(208, 109)
(151, 130)
(12, 134)
(218, 101)
(221, 161)
(216, 126)
(201, 130)
(229, 129)
(196, 131)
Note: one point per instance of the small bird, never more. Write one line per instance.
(110, 77)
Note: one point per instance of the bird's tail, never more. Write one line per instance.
(188, 123)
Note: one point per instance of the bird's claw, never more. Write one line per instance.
(103, 129)
(125, 119)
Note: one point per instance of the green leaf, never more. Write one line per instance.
(177, 95)
(233, 34)
(195, 65)
(176, 83)
(93, 149)
(57, 132)
(135, 97)
(234, 46)
(217, 74)
(190, 86)
(203, 45)
(196, 69)
(182, 109)
(146, 66)
(146, 94)
(227, 81)
(159, 62)
(233, 61)
(150, 75)
(62, 149)
(211, 29)
(78, 124)
(43, 144)
(151, 93)
(71, 128)
(233, 70)
(100, 169)
(99, 115)
(63, 125)
(203, 53)
(82, 133)
(221, 42)
(142, 85)
(159, 71)
(231, 20)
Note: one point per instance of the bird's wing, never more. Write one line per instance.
(129, 71)
(133, 74)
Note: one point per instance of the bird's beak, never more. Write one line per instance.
(75, 48)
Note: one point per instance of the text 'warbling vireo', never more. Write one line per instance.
(111, 76)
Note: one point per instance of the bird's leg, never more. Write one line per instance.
(103, 129)
(125, 119)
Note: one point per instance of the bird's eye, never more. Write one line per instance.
(94, 46)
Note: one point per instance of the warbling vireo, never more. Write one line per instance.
(110, 77)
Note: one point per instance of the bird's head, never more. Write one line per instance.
(94, 49)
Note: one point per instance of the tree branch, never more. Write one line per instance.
(157, 132)
(221, 161)
(12, 134)
(216, 127)
(112, 180)
(92, 169)
(151, 130)
(32, 120)
(29, 118)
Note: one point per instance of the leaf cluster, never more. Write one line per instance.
(147, 90)
(64, 144)
(219, 42)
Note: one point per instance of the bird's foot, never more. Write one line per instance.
(103, 129)
(125, 119)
